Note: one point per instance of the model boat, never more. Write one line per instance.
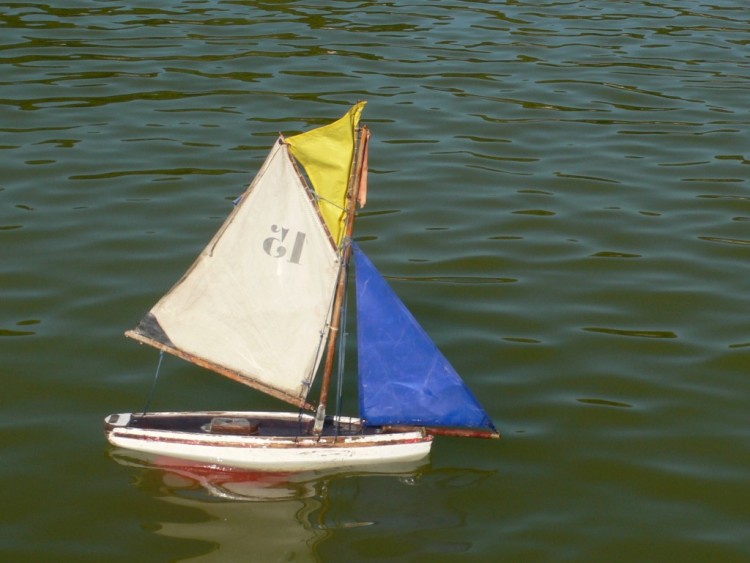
(264, 305)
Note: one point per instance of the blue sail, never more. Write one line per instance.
(403, 377)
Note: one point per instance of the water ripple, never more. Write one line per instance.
(632, 333)
(558, 191)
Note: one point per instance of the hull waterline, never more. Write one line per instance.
(264, 441)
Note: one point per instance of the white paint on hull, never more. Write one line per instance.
(272, 453)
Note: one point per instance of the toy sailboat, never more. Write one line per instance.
(263, 305)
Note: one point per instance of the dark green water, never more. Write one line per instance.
(559, 192)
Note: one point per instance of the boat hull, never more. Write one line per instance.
(264, 441)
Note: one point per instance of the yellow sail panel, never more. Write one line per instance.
(327, 153)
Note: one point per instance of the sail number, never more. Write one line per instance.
(277, 246)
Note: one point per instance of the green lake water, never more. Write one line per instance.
(558, 191)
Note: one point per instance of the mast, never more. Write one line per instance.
(352, 195)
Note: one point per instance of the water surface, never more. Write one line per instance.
(558, 191)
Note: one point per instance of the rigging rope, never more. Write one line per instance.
(319, 197)
(153, 385)
(341, 352)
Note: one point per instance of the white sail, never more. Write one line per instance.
(256, 304)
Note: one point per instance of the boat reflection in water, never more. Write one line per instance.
(245, 485)
(272, 516)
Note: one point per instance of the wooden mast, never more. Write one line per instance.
(355, 181)
(352, 193)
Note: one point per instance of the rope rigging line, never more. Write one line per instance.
(341, 352)
(328, 201)
(153, 385)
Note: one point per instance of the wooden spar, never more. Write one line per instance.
(458, 432)
(352, 192)
(464, 433)
(220, 370)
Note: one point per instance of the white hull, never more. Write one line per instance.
(165, 434)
